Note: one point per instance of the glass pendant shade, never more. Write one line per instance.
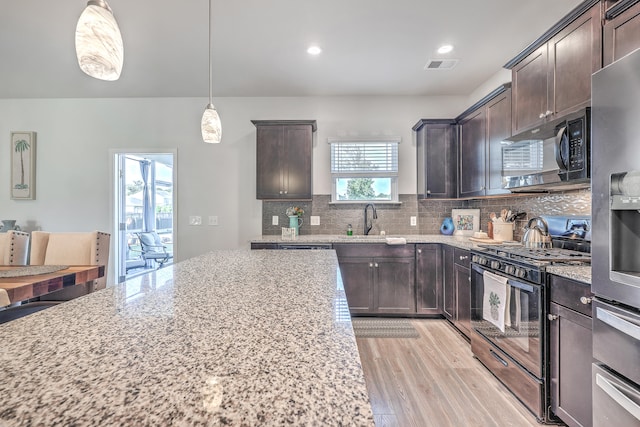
(211, 125)
(98, 42)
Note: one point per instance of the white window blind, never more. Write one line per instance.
(524, 157)
(364, 158)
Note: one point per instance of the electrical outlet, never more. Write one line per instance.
(414, 221)
(315, 220)
(213, 220)
(195, 220)
(274, 220)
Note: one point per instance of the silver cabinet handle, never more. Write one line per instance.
(285, 191)
(419, 251)
(428, 191)
(280, 191)
(548, 113)
(376, 265)
(370, 265)
(541, 116)
(586, 300)
(462, 258)
(552, 316)
(617, 322)
(618, 396)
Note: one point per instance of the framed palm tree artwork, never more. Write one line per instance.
(23, 165)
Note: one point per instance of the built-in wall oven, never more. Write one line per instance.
(509, 316)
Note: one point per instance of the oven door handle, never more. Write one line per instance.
(513, 283)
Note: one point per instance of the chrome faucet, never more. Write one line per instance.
(368, 226)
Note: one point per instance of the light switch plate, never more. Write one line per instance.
(213, 220)
(195, 220)
(414, 221)
(315, 220)
(274, 220)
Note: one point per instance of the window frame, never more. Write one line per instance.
(393, 176)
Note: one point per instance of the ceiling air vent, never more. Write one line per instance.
(441, 64)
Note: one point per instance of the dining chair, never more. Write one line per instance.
(153, 249)
(14, 248)
(74, 248)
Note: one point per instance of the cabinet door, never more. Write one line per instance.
(529, 85)
(269, 156)
(574, 54)
(436, 161)
(621, 34)
(570, 365)
(428, 279)
(357, 277)
(498, 129)
(448, 284)
(472, 154)
(463, 299)
(394, 284)
(296, 167)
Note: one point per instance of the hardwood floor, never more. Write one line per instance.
(434, 380)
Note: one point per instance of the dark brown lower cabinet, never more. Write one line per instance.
(462, 278)
(448, 283)
(570, 348)
(429, 279)
(456, 289)
(378, 278)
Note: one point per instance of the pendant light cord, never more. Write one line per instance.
(210, 65)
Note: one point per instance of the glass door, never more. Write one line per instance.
(145, 204)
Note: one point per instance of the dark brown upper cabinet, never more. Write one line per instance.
(552, 77)
(621, 33)
(482, 128)
(284, 154)
(436, 156)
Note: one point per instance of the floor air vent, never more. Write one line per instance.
(441, 64)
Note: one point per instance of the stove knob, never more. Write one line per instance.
(510, 269)
(496, 265)
(474, 258)
(482, 261)
(521, 273)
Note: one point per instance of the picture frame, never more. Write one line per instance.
(465, 221)
(23, 165)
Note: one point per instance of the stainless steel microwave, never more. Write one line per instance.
(555, 156)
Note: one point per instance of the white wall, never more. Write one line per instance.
(75, 136)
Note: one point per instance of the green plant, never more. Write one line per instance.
(494, 299)
(21, 146)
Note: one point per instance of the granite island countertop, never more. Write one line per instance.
(235, 337)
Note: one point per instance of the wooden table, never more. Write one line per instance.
(26, 287)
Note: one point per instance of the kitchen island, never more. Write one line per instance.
(233, 337)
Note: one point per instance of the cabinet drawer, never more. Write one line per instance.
(372, 250)
(616, 339)
(462, 257)
(571, 294)
(526, 388)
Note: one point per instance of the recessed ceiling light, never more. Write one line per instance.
(314, 50)
(446, 48)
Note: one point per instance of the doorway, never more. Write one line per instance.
(144, 209)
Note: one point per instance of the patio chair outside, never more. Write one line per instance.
(152, 248)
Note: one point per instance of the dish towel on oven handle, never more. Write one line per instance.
(495, 304)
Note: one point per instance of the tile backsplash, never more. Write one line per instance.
(396, 218)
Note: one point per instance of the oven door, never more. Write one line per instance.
(518, 330)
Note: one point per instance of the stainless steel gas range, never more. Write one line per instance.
(509, 303)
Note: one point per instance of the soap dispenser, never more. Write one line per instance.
(349, 230)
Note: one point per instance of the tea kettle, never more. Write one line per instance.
(536, 234)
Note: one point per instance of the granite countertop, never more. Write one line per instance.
(581, 273)
(234, 337)
(462, 242)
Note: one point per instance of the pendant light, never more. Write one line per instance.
(211, 125)
(98, 42)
